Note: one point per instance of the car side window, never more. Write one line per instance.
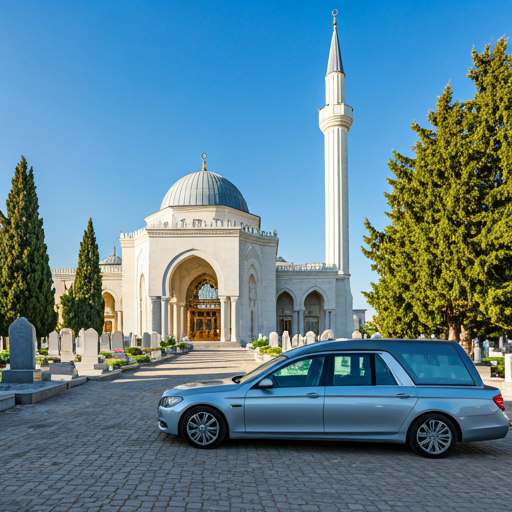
(352, 370)
(383, 375)
(303, 373)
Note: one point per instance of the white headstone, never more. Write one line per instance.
(53, 344)
(295, 341)
(105, 342)
(477, 355)
(376, 335)
(90, 346)
(273, 340)
(117, 341)
(133, 340)
(327, 335)
(286, 345)
(310, 338)
(66, 346)
(80, 343)
(260, 337)
(356, 335)
(155, 340)
(146, 340)
(508, 367)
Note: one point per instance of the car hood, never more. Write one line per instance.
(204, 386)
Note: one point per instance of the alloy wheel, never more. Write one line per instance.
(203, 428)
(434, 436)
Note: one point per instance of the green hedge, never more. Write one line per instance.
(116, 363)
(43, 351)
(108, 355)
(142, 359)
(133, 351)
(272, 351)
(259, 343)
(499, 367)
(182, 346)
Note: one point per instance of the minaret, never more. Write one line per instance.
(335, 121)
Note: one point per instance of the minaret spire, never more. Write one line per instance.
(335, 63)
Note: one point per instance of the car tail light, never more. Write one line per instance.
(498, 400)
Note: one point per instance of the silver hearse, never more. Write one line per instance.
(426, 393)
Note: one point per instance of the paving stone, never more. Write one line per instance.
(107, 454)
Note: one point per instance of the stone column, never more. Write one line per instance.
(224, 318)
(119, 320)
(508, 367)
(165, 317)
(183, 321)
(295, 322)
(301, 321)
(328, 319)
(156, 314)
(175, 320)
(234, 319)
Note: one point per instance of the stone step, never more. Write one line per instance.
(215, 345)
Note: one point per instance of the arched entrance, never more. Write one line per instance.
(284, 313)
(194, 305)
(110, 320)
(314, 306)
(203, 309)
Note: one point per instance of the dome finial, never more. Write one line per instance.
(334, 14)
(203, 158)
(114, 249)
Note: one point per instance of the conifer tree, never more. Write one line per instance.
(84, 307)
(26, 286)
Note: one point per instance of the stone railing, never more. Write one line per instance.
(105, 269)
(135, 234)
(303, 267)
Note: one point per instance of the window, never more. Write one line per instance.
(353, 370)
(383, 375)
(436, 364)
(303, 373)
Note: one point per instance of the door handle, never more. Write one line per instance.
(403, 395)
(312, 395)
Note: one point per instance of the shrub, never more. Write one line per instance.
(133, 351)
(4, 356)
(108, 355)
(182, 346)
(164, 344)
(78, 358)
(142, 359)
(151, 349)
(499, 366)
(271, 351)
(259, 343)
(116, 363)
(43, 351)
(54, 359)
(171, 340)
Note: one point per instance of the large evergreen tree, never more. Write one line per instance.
(445, 261)
(83, 306)
(26, 286)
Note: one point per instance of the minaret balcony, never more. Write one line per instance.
(335, 115)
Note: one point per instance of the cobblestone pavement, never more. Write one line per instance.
(97, 447)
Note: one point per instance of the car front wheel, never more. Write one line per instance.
(203, 427)
(433, 436)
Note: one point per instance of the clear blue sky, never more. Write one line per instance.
(112, 102)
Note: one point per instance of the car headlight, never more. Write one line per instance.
(169, 401)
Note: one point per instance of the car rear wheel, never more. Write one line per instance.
(203, 427)
(433, 436)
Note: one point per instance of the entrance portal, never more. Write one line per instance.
(203, 307)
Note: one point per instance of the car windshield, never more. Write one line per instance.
(260, 369)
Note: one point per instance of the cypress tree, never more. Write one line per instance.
(84, 307)
(445, 261)
(26, 286)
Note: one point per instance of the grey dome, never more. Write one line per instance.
(111, 260)
(204, 188)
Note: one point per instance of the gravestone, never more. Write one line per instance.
(63, 371)
(260, 337)
(376, 335)
(286, 341)
(117, 341)
(133, 340)
(295, 341)
(155, 340)
(105, 342)
(302, 340)
(356, 335)
(89, 364)
(273, 340)
(80, 343)
(327, 335)
(22, 336)
(146, 340)
(66, 346)
(126, 341)
(508, 367)
(310, 338)
(477, 355)
(53, 344)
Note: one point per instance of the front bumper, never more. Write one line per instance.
(169, 418)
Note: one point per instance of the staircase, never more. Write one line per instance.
(216, 345)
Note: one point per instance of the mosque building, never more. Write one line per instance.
(203, 268)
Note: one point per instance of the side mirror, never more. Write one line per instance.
(266, 383)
